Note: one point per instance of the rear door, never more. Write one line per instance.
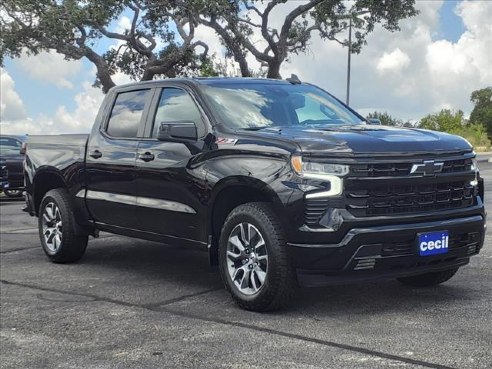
(168, 188)
(111, 155)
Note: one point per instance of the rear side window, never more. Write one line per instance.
(176, 105)
(126, 115)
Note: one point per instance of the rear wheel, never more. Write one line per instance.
(429, 279)
(57, 228)
(253, 258)
(13, 193)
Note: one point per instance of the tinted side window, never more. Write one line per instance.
(176, 105)
(127, 113)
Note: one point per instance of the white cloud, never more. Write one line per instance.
(50, 67)
(80, 120)
(394, 61)
(11, 105)
(408, 73)
(124, 24)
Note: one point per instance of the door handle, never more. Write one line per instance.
(148, 156)
(96, 154)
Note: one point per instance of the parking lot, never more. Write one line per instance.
(138, 304)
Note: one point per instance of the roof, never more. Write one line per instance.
(241, 80)
(207, 81)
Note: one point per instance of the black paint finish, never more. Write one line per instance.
(175, 191)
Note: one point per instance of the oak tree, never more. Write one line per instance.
(150, 46)
(239, 22)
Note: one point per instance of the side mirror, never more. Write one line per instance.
(177, 131)
(374, 121)
(23, 148)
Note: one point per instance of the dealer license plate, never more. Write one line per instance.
(433, 243)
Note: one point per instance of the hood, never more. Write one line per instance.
(362, 140)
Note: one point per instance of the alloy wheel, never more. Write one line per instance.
(52, 227)
(247, 258)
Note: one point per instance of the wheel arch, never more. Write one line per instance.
(227, 195)
(44, 181)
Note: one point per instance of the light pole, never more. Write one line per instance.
(349, 61)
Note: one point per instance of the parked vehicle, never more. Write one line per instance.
(282, 182)
(4, 176)
(10, 147)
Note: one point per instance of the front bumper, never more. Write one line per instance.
(386, 252)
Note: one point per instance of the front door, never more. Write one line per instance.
(111, 155)
(169, 190)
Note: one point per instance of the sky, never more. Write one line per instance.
(437, 59)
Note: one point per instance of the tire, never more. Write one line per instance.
(13, 193)
(270, 284)
(429, 279)
(56, 226)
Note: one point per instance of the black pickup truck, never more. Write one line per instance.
(282, 182)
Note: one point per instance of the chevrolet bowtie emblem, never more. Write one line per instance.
(428, 168)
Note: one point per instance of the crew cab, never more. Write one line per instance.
(283, 184)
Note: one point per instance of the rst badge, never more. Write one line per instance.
(433, 243)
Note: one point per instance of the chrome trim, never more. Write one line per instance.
(165, 205)
(146, 202)
(111, 197)
(428, 168)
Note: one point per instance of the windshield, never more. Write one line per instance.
(262, 105)
(9, 145)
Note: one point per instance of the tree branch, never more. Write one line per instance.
(301, 9)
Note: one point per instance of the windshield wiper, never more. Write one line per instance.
(257, 128)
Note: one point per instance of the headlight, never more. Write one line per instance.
(474, 167)
(331, 173)
(302, 168)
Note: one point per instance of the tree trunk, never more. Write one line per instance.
(243, 65)
(103, 73)
(274, 69)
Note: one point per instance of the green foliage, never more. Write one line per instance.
(446, 121)
(476, 135)
(150, 47)
(235, 21)
(482, 112)
(161, 38)
(453, 122)
(207, 69)
(385, 118)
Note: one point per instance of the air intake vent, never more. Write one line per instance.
(315, 208)
(364, 264)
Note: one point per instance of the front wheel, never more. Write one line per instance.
(57, 228)
(429, 279)
(253, 259)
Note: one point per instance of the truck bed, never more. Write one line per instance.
(59, 158)
(60, 151)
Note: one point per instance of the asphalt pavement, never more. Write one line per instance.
(138, 304)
